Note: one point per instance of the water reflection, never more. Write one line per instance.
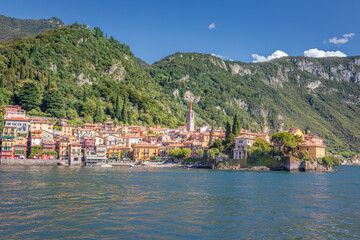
(64, 202)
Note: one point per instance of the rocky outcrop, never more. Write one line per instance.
(237, 69)
(294, 165)
(336, 72)
(189, 96)
(239, 168)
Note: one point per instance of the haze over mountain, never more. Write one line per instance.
(11, 28)
(93, 77)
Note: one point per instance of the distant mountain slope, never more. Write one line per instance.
(321, 95)
(11, 28)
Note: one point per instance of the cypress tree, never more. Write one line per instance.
(22, 72)
(124, 112)
(48, 86)
(84, 94)
(236, 126)
(2, 82)
(99, 115)
(13, 62)
(117, 109)
(129, 117)
(211, 134)
(31, 73)
(227, 130)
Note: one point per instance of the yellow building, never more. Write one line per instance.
(115, 152)
(67, 131)
(314, 150)
(296, 132)
(173, 147)
(144, 151)
(10, 131)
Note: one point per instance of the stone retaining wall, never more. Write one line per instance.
(28, 162)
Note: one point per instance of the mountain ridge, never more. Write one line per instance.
(14, 27)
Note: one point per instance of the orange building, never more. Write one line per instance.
(144, 151)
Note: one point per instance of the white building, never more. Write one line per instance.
(242, 143)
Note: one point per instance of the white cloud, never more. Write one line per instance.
(343, 40)
(320, 54)
(349, 35)
(218, 55)
(212, 26)
(276, 54)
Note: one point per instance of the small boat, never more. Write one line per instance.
(106, 165)
(131, 165)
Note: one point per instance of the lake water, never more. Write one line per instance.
(153, 203)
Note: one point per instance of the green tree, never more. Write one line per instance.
(2, 82)
(49, 84)
(211, 133)
(22, 72)
(29, 95)
(13, 61)
(286, 140)
(2, 111)
(262, 144)
(236, 126)
(227, 130)
(53, 103)
(129, 117)
(117, 109)
(99, 114)
(124, 112)
(212, 153)
(200, 152)
(84, 99)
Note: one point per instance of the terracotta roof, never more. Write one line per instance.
(310, 144)
(120, 147)
(147, 145)
(75, 144)
(17, 119)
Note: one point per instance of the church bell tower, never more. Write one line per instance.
(190, 119)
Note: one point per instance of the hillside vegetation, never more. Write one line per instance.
(11, 28)
(79, 73)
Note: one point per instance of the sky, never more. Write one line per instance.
(248, 31)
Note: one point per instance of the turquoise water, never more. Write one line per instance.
(119, 202)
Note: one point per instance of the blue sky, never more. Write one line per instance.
(155, 29)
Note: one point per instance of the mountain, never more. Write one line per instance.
(76, 72)
(321, 95)
(11, 28)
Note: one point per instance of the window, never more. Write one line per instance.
(307, 149)
(298, 148)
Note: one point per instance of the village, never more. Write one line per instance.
(30, 137)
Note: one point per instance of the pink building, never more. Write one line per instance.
(241, 146)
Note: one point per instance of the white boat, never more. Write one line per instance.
(106, 165)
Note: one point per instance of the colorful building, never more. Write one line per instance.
(7, 147)
(144, 151)
(242, 143)
(118, 152)
(75, 157)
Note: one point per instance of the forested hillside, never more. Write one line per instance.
(79, 73)
(76, 72)
(11, 28)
